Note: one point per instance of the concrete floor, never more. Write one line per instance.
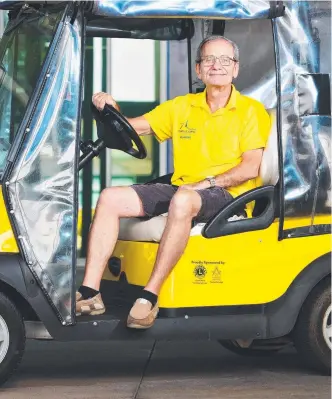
(166, 370)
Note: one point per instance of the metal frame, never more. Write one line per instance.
(76, 188)
(279, 132)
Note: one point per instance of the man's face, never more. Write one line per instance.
(217, 71)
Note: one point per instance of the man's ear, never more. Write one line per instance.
(236, 70)
(198, 71)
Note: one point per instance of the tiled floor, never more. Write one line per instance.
(192, 370)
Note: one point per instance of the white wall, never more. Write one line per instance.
(2, 16)
(133, 70)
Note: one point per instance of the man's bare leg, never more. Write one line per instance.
(113, 203)
(184, 206)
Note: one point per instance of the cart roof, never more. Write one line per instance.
(247, 9)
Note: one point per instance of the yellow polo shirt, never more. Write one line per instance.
(206, 143)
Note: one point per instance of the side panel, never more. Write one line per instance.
(244, 269)
(7, 238)
(15, 273)
(282, 314)
(303, 48)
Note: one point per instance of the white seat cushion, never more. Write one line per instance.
(136, 229)
(269, 170)
(151, 230)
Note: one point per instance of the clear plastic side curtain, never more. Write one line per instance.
(42, 183)
(303, 48)
(183, 8)
(7, 5)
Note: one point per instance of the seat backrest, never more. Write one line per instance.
(269, 169)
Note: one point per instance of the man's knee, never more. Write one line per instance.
(107, 196)
(122, 201)
(111, 197)
(185, 203)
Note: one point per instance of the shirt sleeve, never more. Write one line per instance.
(161, 120)
(256, 130)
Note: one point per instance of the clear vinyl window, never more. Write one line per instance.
(23, 49)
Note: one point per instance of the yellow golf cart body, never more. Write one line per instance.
(244, 279)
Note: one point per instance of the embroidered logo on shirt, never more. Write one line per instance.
(185, 130)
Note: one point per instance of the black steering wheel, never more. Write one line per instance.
(116, 132)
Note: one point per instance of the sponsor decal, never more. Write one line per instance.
(207, 272)
(216, 276)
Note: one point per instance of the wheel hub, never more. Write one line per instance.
(327, 329)
(4, 339)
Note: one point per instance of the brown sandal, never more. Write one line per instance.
(142, 315)
(89, 307)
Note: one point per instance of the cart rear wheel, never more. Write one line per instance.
(312, 334)
(12, 338)
(257, 347)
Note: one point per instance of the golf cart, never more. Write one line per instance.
(253, 282)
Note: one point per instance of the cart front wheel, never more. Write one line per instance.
(12, 338)
(312, 333)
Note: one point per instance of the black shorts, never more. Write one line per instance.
(156, 198)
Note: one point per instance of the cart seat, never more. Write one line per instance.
(151, 230)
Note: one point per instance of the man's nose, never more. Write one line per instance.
(218, 66)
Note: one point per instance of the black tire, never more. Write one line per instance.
(308, 333)
(259, 348)
(14, 322)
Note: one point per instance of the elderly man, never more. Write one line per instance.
(218, 139)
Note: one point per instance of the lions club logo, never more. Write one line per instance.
(200, 271)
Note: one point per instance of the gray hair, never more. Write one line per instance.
(210, 39)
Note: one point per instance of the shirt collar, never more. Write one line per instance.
(199, 100)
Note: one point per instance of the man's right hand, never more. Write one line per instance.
(100, 99)
(140, 124)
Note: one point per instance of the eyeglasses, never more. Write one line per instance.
(224, 60)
